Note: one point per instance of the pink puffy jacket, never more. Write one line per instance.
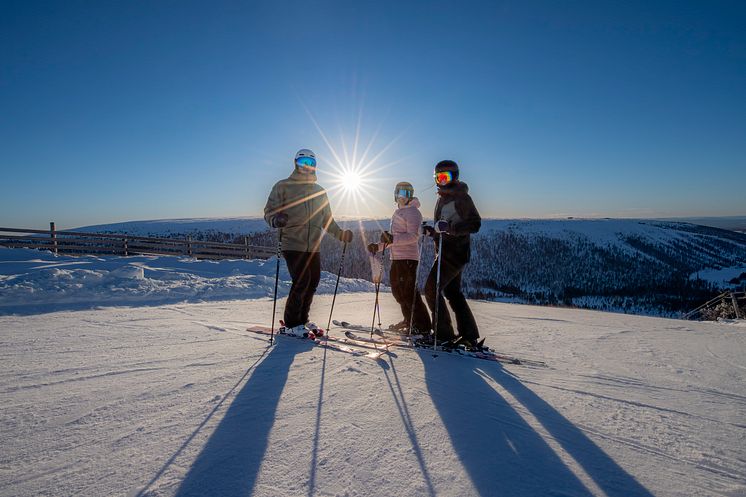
(405, 226)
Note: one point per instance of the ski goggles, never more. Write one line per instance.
(442, 178)
(305, 163)
(403, 193)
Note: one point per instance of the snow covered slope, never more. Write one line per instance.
(180, 400)
(171, 396)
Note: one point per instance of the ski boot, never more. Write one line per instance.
(400, 326)
(314, 330)
(426, 341)
(299, 331)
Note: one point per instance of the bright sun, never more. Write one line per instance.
(351, 181)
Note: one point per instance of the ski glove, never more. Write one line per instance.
(428, 230)
(346, 236)
(373, 248)
(441, 226)
(387, 238)
(280, 220)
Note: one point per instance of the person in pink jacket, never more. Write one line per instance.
(403, 241)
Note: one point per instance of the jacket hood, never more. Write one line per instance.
(302, 177)
(415, 202)
(455, 188)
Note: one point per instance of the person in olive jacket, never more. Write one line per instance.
(299, 208)
(456, 218)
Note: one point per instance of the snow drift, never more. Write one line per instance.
(33, 281)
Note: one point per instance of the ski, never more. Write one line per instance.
(325, 341)
(357, 327)
(376, 331)
(487, 355)
(378, 341)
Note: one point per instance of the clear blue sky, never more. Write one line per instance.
(113, 111)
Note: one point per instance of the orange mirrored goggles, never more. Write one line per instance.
(443, 178)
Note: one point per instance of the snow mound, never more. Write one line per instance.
(734, 322)
(33, 281)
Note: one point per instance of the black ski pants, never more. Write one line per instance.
(403, 277)
(305, 271)
(450, 286)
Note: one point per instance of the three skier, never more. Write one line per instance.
(299, 208)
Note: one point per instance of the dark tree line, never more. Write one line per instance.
(636, 275)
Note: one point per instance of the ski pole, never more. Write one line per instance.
(380, 280)
(339, 272)
(277, 280)
(437, 293)
(378, 287)
(416, 276)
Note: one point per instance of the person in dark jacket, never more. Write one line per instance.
(299, 208)
(456, 218)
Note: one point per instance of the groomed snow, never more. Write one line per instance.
(180, 400)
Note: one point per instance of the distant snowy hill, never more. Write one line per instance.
(635, 266)
(176, 227)
(733, 223)
(630, 265)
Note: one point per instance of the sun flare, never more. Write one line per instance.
(351, 181)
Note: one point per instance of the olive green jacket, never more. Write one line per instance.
(307, 207)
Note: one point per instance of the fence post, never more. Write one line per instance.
(126, 248)
(246, 245)
(735, 305)
(53, 234)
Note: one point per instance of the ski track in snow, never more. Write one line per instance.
(180, 400)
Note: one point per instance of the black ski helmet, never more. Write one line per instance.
(447, 165)
(403, 187)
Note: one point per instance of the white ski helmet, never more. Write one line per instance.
(304, 152)
(305, 158)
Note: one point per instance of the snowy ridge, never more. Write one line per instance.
(611, 232)
(170, 227)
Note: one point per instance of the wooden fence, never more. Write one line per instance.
(79, 242)
(728, 298)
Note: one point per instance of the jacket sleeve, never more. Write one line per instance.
(330, 225)
(274, 203)
(470, 222)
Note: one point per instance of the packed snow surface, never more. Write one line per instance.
(181, 400)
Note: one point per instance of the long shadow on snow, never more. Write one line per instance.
(230, 461)
(204, 422)
(407, 420)
(502, 453)
(604, 471)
